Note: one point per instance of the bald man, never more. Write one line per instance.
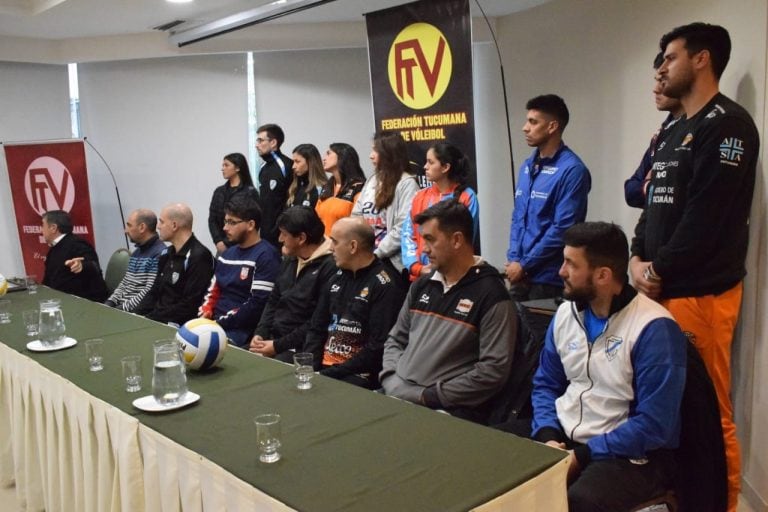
(185, 270)
(357, 309)
(141, 228)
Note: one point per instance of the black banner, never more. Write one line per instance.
(420, 58)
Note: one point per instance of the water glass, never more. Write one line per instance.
(31, 321)
(5, 311)
(132, 373)
(169, 375)
(302, 365)
(31, 282)
(94, 351)
(51, 327)
(268, 437)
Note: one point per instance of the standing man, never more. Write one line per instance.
(610, 379)
(691, 241)
(143, 264)
(185, 270)
(636, 187)
(452, 345)
(71, 265)
(275, 177)
(551, 196)
(244, 276)
(357, 308)
(307, 267)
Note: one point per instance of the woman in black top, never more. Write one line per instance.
(234, 169)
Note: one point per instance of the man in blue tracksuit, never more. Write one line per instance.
(551, 196)
(610, 379)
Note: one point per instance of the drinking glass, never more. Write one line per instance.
(31, 282)
(95, 354)
(302, 364)
(268, 437)
(31, 321)
(169, 376)
(132, 373)
(5, 311)
(51, 327)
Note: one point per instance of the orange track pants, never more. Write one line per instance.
(709, 322)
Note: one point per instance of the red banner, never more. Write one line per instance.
(46, 177)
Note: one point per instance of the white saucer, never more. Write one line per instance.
(149, 404)
(37, 345)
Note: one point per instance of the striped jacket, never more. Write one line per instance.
(139, 277)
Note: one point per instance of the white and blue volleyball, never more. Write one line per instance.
(203, 342)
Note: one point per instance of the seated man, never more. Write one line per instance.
(452, 346)
(71, 265)
(306, 269)
(184, 270)
(244, 276)
(610, 379)
(357, 308)
(142, 266)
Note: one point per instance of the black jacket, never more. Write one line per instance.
(353, 318)
(221, 196)
(88, 284)
(286, 316)
(273, 187)
(182, 280)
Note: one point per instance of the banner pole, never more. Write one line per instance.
(117, 191)
(504, 94)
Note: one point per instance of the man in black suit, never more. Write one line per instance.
(71, 265)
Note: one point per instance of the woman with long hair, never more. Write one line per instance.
(309, 177)
(340, 193)
(234, 169)
(448, 169)
(386, 197)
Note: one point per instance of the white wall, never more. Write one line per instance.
(317, 97)
(598, 56)
(163, 126)
(34, 104)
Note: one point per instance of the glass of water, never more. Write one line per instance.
(169, 376)
(132, 373)
(268, 437)
(302, 365)
(31, 321)
(94, 351)
(5, 311)
(31, 282)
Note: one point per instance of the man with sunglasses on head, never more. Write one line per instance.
(244, 276)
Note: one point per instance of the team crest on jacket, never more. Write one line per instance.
(364, 292)
(243, 273)
(174, 277)
(612, 345)
(464, 306)
(272, 184)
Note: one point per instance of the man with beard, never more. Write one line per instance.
(691, 241)
(610, 379)
(142, 266)
(244, 276)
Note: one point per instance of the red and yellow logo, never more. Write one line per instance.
(419, 65)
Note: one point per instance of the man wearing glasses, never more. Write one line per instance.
(244, 276)
(275, 177)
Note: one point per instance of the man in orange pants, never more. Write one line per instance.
(691, 241)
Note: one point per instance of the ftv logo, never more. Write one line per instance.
(419, 65)
(48, 185)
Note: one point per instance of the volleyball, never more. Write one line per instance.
(203, 343)
(3, 285)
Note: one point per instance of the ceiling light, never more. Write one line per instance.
(179, 1)
(232, 22)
